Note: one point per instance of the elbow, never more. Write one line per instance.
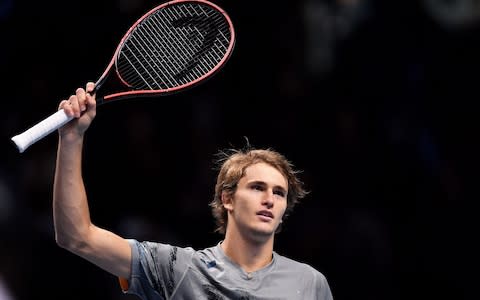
(69, 243)
(62, 242)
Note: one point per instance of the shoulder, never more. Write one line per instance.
(151, 250)
(301, 268)
(306, 275)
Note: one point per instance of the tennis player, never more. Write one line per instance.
(255, 190)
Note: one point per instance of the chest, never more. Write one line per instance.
(201, 284)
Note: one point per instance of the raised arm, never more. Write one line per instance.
(74, 230)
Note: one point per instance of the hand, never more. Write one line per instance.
(82, 106)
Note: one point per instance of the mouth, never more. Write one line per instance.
(265, 214)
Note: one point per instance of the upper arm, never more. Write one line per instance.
(106, 250)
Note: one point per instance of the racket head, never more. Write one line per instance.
(173, 47)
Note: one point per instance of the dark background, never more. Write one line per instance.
(374, 100)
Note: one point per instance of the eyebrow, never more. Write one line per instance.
(278, 187)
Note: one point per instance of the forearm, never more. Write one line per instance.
(70, 207)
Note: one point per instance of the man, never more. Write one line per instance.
(255, 190)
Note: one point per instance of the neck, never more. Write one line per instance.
(250, 254)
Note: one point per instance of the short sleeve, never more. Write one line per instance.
(156, 268)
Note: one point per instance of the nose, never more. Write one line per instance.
(268, 199)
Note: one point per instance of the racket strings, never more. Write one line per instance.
(174, 46)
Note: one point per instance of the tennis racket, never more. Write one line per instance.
(173, 47)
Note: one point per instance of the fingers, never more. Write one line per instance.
(65, 105)
(74, 104)
(90, 101)
(81, 101)
(90, 86)
(78, 103)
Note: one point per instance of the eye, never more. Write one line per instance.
(280, 193)
(257, 187)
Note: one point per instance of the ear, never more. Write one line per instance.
(227, 201)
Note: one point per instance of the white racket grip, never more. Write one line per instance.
(40, 130)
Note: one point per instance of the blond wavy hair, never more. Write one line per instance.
(231, 165)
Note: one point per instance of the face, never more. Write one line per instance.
(259, 202)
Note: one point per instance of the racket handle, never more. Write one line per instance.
(40, 130)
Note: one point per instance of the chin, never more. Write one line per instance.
(263, 232)
(258, 232)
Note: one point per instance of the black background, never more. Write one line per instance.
(384, 129)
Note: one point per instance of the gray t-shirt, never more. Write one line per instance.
(162, 271)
